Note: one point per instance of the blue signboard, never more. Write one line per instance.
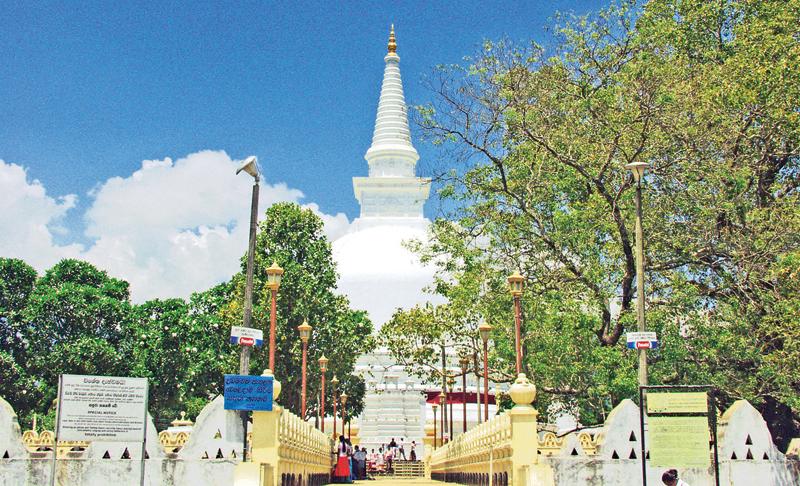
(248, 392)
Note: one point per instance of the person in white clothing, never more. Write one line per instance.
(670, 478)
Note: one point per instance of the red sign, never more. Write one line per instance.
(246, 341)
(643, 345)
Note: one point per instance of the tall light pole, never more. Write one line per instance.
(450, 384)
(484, 330)
(305, 334)
(344, 405)
(515, 282)
(435, 407)
(250, 166)
(335, 383)
(638, 168)
(274, 275)
(443, 404)
(464, 362)
(323, 367)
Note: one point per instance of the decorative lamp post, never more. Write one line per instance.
(250, 166)
(335, 383)
(435, 439)
(515, 282)
(638, 168)
(305, 335)
(464, 362)
(484, 330)
(344, 404)
(323, 367)
(274, 275)
(443, 403)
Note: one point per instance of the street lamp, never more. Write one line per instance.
(515, 282)
(250, 165)
(274, 275)
(484, 330)
(335, 383)
(435, 439)
(464, 362)
(344, 404)
(638, 168)
(323, 367)
(305, 335)
(443, 403)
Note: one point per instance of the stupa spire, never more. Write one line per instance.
(392, 153)
(392, 189)
(392, 41)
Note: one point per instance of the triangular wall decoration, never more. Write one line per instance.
(126, 454)
(632, 438)
(574, 452)
(766, 457)
(749, 454)
(748, 441)
(219, 454)
(6, 456)
(106, 455)
(632, 454)
(733, 456)
(614, 455)
(218, 435)
(205, 455)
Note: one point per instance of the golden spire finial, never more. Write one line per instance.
(392, 42)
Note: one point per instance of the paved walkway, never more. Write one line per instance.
(403, 482)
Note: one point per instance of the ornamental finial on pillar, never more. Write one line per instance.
(392, 42)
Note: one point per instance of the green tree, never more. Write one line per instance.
(16, 284)
(293, 237)
(706, 92)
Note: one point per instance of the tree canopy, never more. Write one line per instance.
(77, 319)
(535, 142)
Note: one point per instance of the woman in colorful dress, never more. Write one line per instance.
(341, 474)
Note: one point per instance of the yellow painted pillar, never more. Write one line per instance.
(265, 442)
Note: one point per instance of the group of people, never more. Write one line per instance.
(353, 463)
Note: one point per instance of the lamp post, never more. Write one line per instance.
(638, 168)
(515, 282)
(250, 166)
(274, 275)
(464, 362)
(335, 383)
(344, 404)
(451, 383)
(305, 335)
(435, 439)
(323, 367)
(484, 330)
(443, 403)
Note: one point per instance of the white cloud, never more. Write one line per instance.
(169, 229)
(29, 218)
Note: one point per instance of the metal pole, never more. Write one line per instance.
(144, 433)
(641, 431)
(485, 381)
(322, 403)
(334, 412)
(464, 389)
(244, 356)
(640, 282)
(272, 318)
(442, 420)
(435, 437)
(517, 332)
(303, 392)
(444, 390)
(450, 426)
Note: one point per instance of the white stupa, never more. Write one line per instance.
(379, 274)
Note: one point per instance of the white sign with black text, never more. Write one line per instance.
(102, 408)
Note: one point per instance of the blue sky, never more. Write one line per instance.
(88, 90)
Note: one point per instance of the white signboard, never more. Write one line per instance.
(641, 336)
(102, 408)
(247, 336)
